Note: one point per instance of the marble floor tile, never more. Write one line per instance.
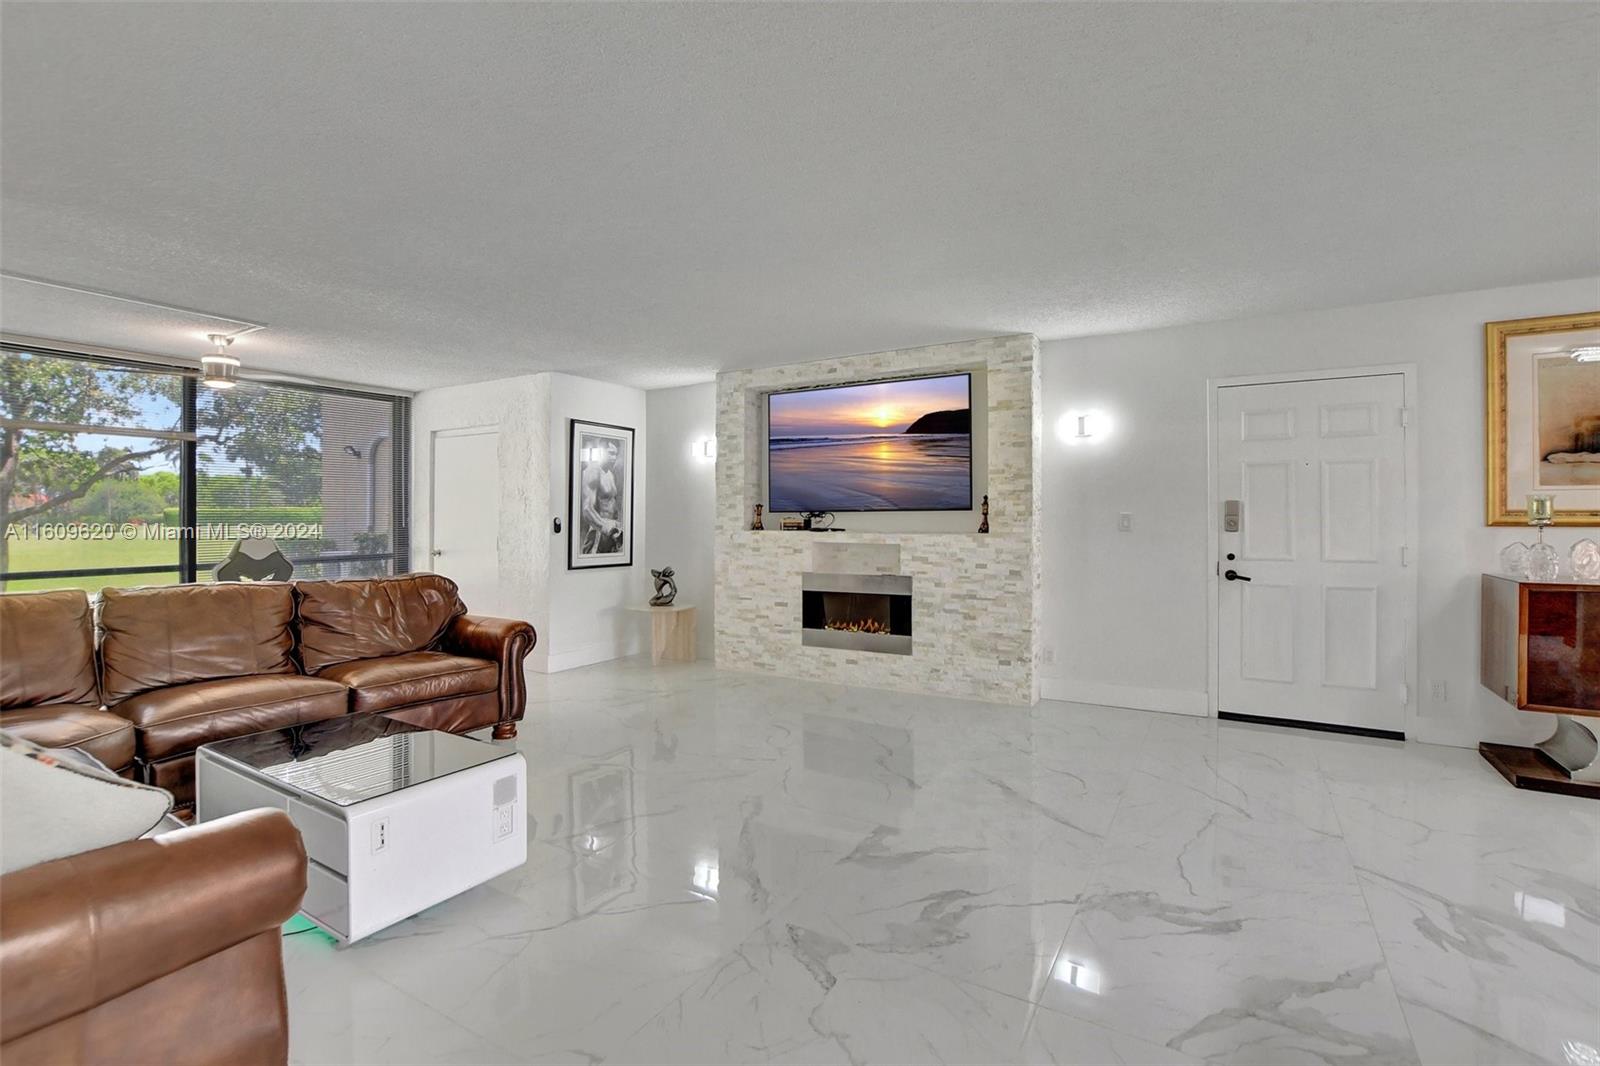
(1271, 977)
(722, 869)
(339, 1012)
(795, 994)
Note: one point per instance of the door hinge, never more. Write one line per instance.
(1405, 555)
(1405, 416)
(1405, 695)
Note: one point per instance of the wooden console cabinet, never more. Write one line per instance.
(1541, 652)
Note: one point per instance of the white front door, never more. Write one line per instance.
(1313, 601)
(464, 532)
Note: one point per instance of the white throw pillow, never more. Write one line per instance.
(51, 808)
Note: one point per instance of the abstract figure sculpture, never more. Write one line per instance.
(666, 588)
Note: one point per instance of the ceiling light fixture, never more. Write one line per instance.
(219, 370)
(1589, 353)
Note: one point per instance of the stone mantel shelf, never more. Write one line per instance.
(877, 536)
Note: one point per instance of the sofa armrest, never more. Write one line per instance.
(78, 932)
(507, 642)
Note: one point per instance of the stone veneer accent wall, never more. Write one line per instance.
(975, 597)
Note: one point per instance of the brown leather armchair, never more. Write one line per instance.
(165, 950)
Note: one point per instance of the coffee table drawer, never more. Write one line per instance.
(326, 836)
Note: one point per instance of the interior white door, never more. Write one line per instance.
(1314, 599)
(464, 540)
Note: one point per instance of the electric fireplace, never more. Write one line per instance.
(856, 612)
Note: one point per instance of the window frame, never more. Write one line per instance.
(188, 567)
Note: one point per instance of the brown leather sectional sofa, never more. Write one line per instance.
(176, 667)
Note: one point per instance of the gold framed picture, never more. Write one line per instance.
(1542, 418)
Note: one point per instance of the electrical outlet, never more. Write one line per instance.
(1047, 656)
(1125, 522)
(380, 835)
(502, 821)
(1441, 692)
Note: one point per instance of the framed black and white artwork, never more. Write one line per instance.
(599, 496)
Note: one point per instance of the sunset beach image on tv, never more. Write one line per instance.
(885, 446)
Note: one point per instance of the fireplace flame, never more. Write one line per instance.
(865, 625)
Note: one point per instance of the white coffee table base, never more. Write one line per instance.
(382, 860)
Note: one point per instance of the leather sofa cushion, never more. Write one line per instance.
(372, 617)
(47, 649)
(420, 677)
(106, 736)
(459, 715)
(175, 720)
(171, 636)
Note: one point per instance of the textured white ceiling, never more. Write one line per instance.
(422, 194)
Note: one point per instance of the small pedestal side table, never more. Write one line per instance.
(671, 632)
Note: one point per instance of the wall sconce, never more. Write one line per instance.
(704, 449)
(1083, 427)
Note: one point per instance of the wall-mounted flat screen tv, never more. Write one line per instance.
(903, 445)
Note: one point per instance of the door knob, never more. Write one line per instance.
(436, 552)
(1234, 575)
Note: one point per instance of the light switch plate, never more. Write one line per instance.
(1125, 522)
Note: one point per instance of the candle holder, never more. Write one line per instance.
(1543, 564)
(1541, 509)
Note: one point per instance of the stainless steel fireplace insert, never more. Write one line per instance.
(856, 612)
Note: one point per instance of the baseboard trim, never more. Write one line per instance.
(1320, 727)
(588, 655)
(1165, 700)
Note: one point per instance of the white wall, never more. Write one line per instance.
(682, 496)
(1125, 613)
(578, 614)
(588, 623)
(519, 408)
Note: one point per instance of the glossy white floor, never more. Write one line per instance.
(732, 868)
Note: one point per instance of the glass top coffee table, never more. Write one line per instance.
(395, 818)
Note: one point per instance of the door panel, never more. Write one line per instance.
(1267, 650)
(1268, 510)
(1350, 420)
(1350, 511)
(465, 528)
(1273, 423)
(1350, 637)
(1315, 625)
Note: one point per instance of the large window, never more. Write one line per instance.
(122, 474)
